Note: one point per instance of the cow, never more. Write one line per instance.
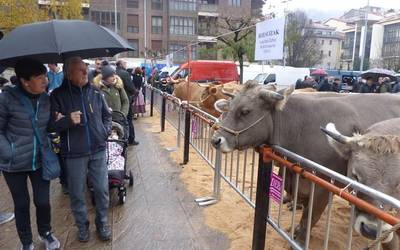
(259, 115)
(373, 159)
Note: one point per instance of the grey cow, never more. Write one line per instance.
(258, 115)
(374, 160)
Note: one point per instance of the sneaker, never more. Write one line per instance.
(50, 242)
(104, 232)
(134, 143)
(83, 233)
(6, 217)
(28, 247)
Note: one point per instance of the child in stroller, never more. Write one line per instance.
(116, 161)
(117, 144)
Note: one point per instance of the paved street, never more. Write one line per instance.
(159, 213)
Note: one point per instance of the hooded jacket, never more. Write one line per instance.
(90, 135)
(19, 148)
(115, 96)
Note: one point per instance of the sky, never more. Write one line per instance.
(324, 9)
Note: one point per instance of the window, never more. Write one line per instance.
(133, 23)
(132, 4)
(329, 53)
(187, 5)
(235, 3)
(180, 52)
(323, 41)
(156, 5)
(156, 45)
(135, 44)
(330, 42)
(106, 19)
(315, 41)
(181, 25)
(156, 25)
(322, 53)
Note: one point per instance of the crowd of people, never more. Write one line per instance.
(350, 84)
(77, 105)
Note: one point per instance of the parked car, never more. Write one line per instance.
(208, 71)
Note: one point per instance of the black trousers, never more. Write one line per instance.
(17, 183)
(131, 137)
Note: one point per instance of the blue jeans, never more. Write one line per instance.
(95, 167)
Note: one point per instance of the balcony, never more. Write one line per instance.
(210, 8)
(85, 5)
(207, 31)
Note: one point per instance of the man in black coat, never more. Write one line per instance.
(82, 118)
(131, 91)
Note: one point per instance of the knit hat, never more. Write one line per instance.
(107, 71)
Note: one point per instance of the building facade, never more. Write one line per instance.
(158, 27)
(330, 42)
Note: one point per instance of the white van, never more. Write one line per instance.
(282, 76)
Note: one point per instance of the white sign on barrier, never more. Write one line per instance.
(269, 39)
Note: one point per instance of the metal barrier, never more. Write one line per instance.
(251, 181)
(307, 169)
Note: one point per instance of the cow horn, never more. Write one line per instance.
(268, 94)
(331, 131)
(227, 93)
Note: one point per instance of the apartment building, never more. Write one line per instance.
(329, 41)
(159, 27)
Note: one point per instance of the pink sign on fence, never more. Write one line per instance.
(275, 188)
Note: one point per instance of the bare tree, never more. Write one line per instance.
(236, 42)
(302, 51)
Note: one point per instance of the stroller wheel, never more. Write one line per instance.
(122, 197)
(130, 178)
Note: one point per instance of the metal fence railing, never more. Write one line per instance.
(249, 173)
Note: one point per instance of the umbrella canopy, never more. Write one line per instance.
(56, 40)
(319, 72)
(376, 73)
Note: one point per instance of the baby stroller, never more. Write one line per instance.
(117, 145)
(116, 157)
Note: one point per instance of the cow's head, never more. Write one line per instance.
(246, 120)
(372, 160)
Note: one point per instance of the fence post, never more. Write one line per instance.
(217, 174)
(151, 101)
(163, 107)
(187, 138)
(262, 203)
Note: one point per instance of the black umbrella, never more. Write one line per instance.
(56, 40)
(376, 73)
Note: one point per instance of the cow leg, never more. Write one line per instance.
(321, 198)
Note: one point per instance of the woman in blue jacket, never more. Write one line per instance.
(19, 150)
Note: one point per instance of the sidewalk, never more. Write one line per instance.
(159, 212)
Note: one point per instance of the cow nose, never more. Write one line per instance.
(216, 142)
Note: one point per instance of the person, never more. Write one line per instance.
(336, 85)
(369, 86)
(82, 117)
(97, 70)
(138, 103)
(396, 86)
(55, 76)
(383, 85)
(112, 88)
(324, 85)
(19, 150)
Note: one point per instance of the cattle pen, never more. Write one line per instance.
(249, 173)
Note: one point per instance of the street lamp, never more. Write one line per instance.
(365, 36)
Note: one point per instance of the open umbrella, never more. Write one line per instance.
(319, 72)
(56, 40)
(376, 73)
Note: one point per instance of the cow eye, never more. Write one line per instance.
(245, 112)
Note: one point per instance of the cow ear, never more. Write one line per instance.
(286, 94)
(222, 105)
